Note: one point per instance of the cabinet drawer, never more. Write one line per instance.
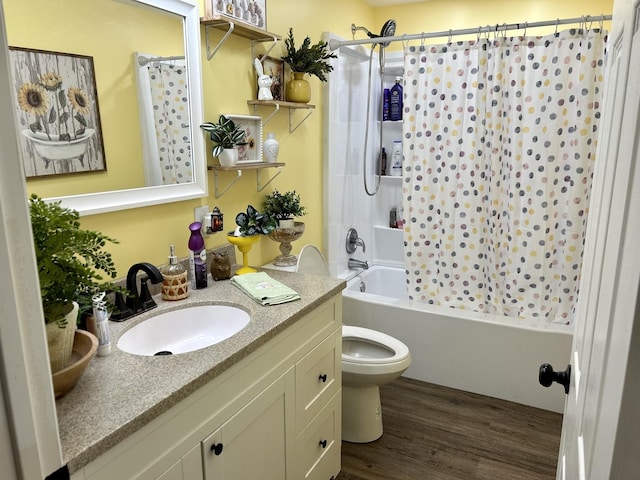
(320, 442)
(318, 377)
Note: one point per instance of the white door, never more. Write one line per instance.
(596, 430)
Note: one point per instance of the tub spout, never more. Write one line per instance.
(353, 263)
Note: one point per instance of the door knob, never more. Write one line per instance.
(547, 376)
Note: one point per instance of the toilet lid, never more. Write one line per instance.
(399, 349)
(311, 260)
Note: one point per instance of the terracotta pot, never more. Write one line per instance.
(298, 89)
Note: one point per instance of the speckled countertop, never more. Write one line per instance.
(121, 392)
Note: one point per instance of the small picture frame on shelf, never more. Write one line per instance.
(251, 150)
(249, 12)
(274, 67)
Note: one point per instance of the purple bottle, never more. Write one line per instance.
(197, 257)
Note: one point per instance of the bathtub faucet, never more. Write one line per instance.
(353, 241)
(353, 263)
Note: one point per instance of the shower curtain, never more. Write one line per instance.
(164, 114)
(499, 145)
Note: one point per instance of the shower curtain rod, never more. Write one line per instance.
(142, 61)
(335, 44)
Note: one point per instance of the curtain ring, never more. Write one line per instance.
(405, 44)
(557, 23)
(479, 33)
(422, 39)
(526, 24)
(449, 37)
(601, 22)
(590, 20)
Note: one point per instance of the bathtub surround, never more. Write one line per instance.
(499, 152)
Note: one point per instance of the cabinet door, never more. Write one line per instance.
(254, 442)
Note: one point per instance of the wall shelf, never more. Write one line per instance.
(231, 26)
(276, 104)
(239, 169)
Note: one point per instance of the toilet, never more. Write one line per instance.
(369, 359)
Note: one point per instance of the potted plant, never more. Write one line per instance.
(284, 207)
(69, 261)
(250, 225)
(311, 59)
(226, 135)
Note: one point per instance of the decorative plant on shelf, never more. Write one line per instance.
(283, 206)
(311, 59)
(252, 222)
(69, 260)
(226, 135)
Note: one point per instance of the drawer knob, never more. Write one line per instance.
(216, 448)
(322, 378)
(323, 443)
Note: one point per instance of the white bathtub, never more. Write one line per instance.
(476, 352)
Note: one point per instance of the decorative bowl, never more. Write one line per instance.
(85, 346)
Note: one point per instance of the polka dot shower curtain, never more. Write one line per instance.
(168, 84)
(499, 148)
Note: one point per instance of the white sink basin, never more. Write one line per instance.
(183, 330)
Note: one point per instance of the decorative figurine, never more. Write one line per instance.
(264, 82)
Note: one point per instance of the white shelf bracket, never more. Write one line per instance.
(259, 187)
(217, 184)
(293, 129)
(277, 107)
(253, 44)
(211, 53)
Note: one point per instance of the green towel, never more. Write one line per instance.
(264, 289)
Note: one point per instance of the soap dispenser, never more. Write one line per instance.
(175, 282)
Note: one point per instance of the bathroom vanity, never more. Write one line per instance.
(265, 403)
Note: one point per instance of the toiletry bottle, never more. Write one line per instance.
(396, 159)
(386, 104)
(197, 257)
(175, 284)
(101, 316)
(383, 162)
(395, 100)
(393, 218)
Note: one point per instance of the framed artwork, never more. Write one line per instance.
(251, 150)
(274, 67)
(250, 12)
(57, 112)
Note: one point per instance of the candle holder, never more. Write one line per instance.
(285, 236)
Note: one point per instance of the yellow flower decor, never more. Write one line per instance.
(56, 112)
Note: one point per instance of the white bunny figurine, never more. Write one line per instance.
(264, 82)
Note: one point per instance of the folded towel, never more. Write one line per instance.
(264, 289)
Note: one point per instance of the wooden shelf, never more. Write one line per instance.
(258, 166)
(223, 23)
(276, 104)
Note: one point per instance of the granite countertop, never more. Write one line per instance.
(121, 392)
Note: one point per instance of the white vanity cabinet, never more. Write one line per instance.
(273, 415)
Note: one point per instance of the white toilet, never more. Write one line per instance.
(369, 359)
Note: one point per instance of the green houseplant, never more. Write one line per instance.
(308, 58)
(226, 135)
(283, 206)
(250, 226)
(69, 261)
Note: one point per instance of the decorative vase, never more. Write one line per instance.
(228, 157)
(285, 236)
(244, 244)
(298, 89)
(60, 340)
(271, 147)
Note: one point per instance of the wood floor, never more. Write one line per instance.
(438, 433)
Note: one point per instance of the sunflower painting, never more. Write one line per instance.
(57, 112)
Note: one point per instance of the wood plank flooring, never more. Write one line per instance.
(438, 433)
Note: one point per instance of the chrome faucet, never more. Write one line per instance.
(138, 301)
(353, 241)
(353, 263)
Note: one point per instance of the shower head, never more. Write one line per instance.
(387, 30)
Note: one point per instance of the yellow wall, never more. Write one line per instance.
(229, 80)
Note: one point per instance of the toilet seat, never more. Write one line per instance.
(399, 352)
(311, 260)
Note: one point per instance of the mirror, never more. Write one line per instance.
(113, 34)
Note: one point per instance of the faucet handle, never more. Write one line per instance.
(353, 241)
(121, 311)
(146, 301)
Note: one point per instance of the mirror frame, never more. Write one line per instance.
(114, 200)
